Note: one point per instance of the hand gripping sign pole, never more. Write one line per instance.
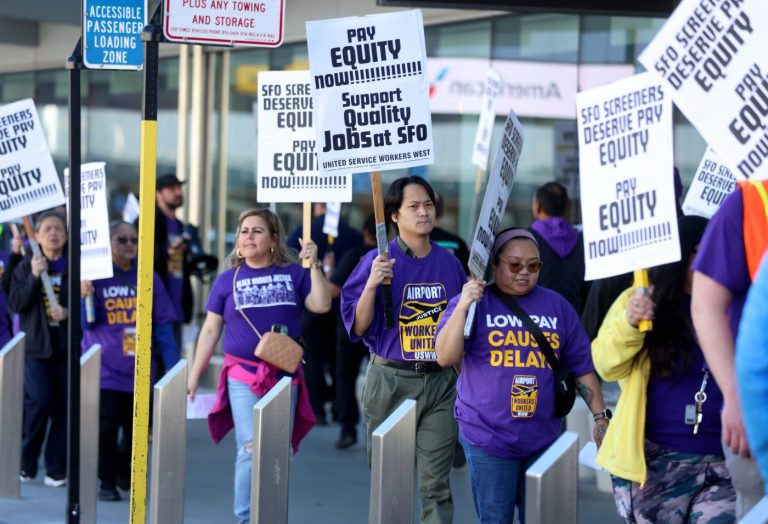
(381, 244)
(147, 180)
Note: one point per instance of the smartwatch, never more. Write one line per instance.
(606, 414)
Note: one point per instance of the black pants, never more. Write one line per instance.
(349, 356)
(45, 400)
(115, 413)
(319, 333)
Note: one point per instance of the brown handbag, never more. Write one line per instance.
(274, 348)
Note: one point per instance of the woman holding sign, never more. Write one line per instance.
(262, 290)
(663, 449)
(45, 362)
(403, 362)
(505, 404)
(114, 328)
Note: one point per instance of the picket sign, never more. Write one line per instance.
(711, 184)
(500, 182)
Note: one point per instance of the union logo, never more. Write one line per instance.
(524, 395)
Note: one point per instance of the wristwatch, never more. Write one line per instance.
(606, 414)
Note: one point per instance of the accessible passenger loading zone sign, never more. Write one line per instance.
(257, 23)
(370, 92)
(112, 33)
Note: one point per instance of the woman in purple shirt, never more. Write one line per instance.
(262, 287)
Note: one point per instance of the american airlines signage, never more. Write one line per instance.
(531, 89)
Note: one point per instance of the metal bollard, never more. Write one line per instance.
(90, 384)
(552, 483)
(758, 514)
(271, 455)
(169, 447)
(393, 455)
(11, 409)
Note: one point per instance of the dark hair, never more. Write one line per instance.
(370, 225)
(45, 215)
(553, 198)
(394, 197)
(670, 343)
(280, 256)
(117, 223)
(439, 205)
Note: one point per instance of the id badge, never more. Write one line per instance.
(129, 341)
(690, 414)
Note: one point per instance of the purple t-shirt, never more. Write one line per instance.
(505, 393)
(421, 288)
(270, 295)
(114, 301)
(6, 328)
(665, 414)
(175, 269)
(721, 254)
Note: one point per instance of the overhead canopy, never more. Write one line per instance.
(651, 8)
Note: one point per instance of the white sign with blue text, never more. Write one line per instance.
(112, 33)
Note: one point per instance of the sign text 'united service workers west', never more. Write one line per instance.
(370, 91)
(627, 184)
(500, 182)
(112, 33)
(28, 179)
(709, 187)
(257, 23)
(287, 153)
(711, 56)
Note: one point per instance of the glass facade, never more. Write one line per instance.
(112, 108)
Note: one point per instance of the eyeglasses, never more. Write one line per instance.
(124, 241)
(517, 267)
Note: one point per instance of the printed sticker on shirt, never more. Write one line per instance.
(266, 291)
(175, 259)
(420, 310)
(129, 341)
(525, 393)
(119, 304)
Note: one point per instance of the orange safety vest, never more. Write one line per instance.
(755, 220)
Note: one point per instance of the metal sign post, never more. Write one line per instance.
(90, 390)
(12, 402)
(552, 483)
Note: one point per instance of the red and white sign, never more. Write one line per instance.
(256, 23)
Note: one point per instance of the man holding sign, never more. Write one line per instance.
(403, 360)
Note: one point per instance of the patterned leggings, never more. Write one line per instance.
(680, 488)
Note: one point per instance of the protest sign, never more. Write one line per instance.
(95, 244)
(28, 179)
(370, 92)
(487, 118)
(332, 216)
(712, 182)
(711, 58)
(496, 195)
(287, 169)
(627, 188)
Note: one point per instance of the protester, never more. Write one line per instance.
(561, 245)
(501, 440)
(6, 272)
(752, 369)
(730, 254)
(45, 360)
(114, 329)
(349, 355)
(663, 460)
(170, 249)
(319, 331)
(261, 289)
(403, 362)
(453, 243)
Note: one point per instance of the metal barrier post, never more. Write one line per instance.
(393, 455)
(271, 453)
(90, 384)
(11, 409)
(758, 514)
(552, 483)
(169, 447)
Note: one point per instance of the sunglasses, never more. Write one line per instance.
(517, 267)
(124, 241)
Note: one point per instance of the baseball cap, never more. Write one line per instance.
(168, 180)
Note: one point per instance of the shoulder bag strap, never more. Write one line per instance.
(237, 306)
(530, 325)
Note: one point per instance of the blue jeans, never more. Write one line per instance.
(498, 485)
(242, 400)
